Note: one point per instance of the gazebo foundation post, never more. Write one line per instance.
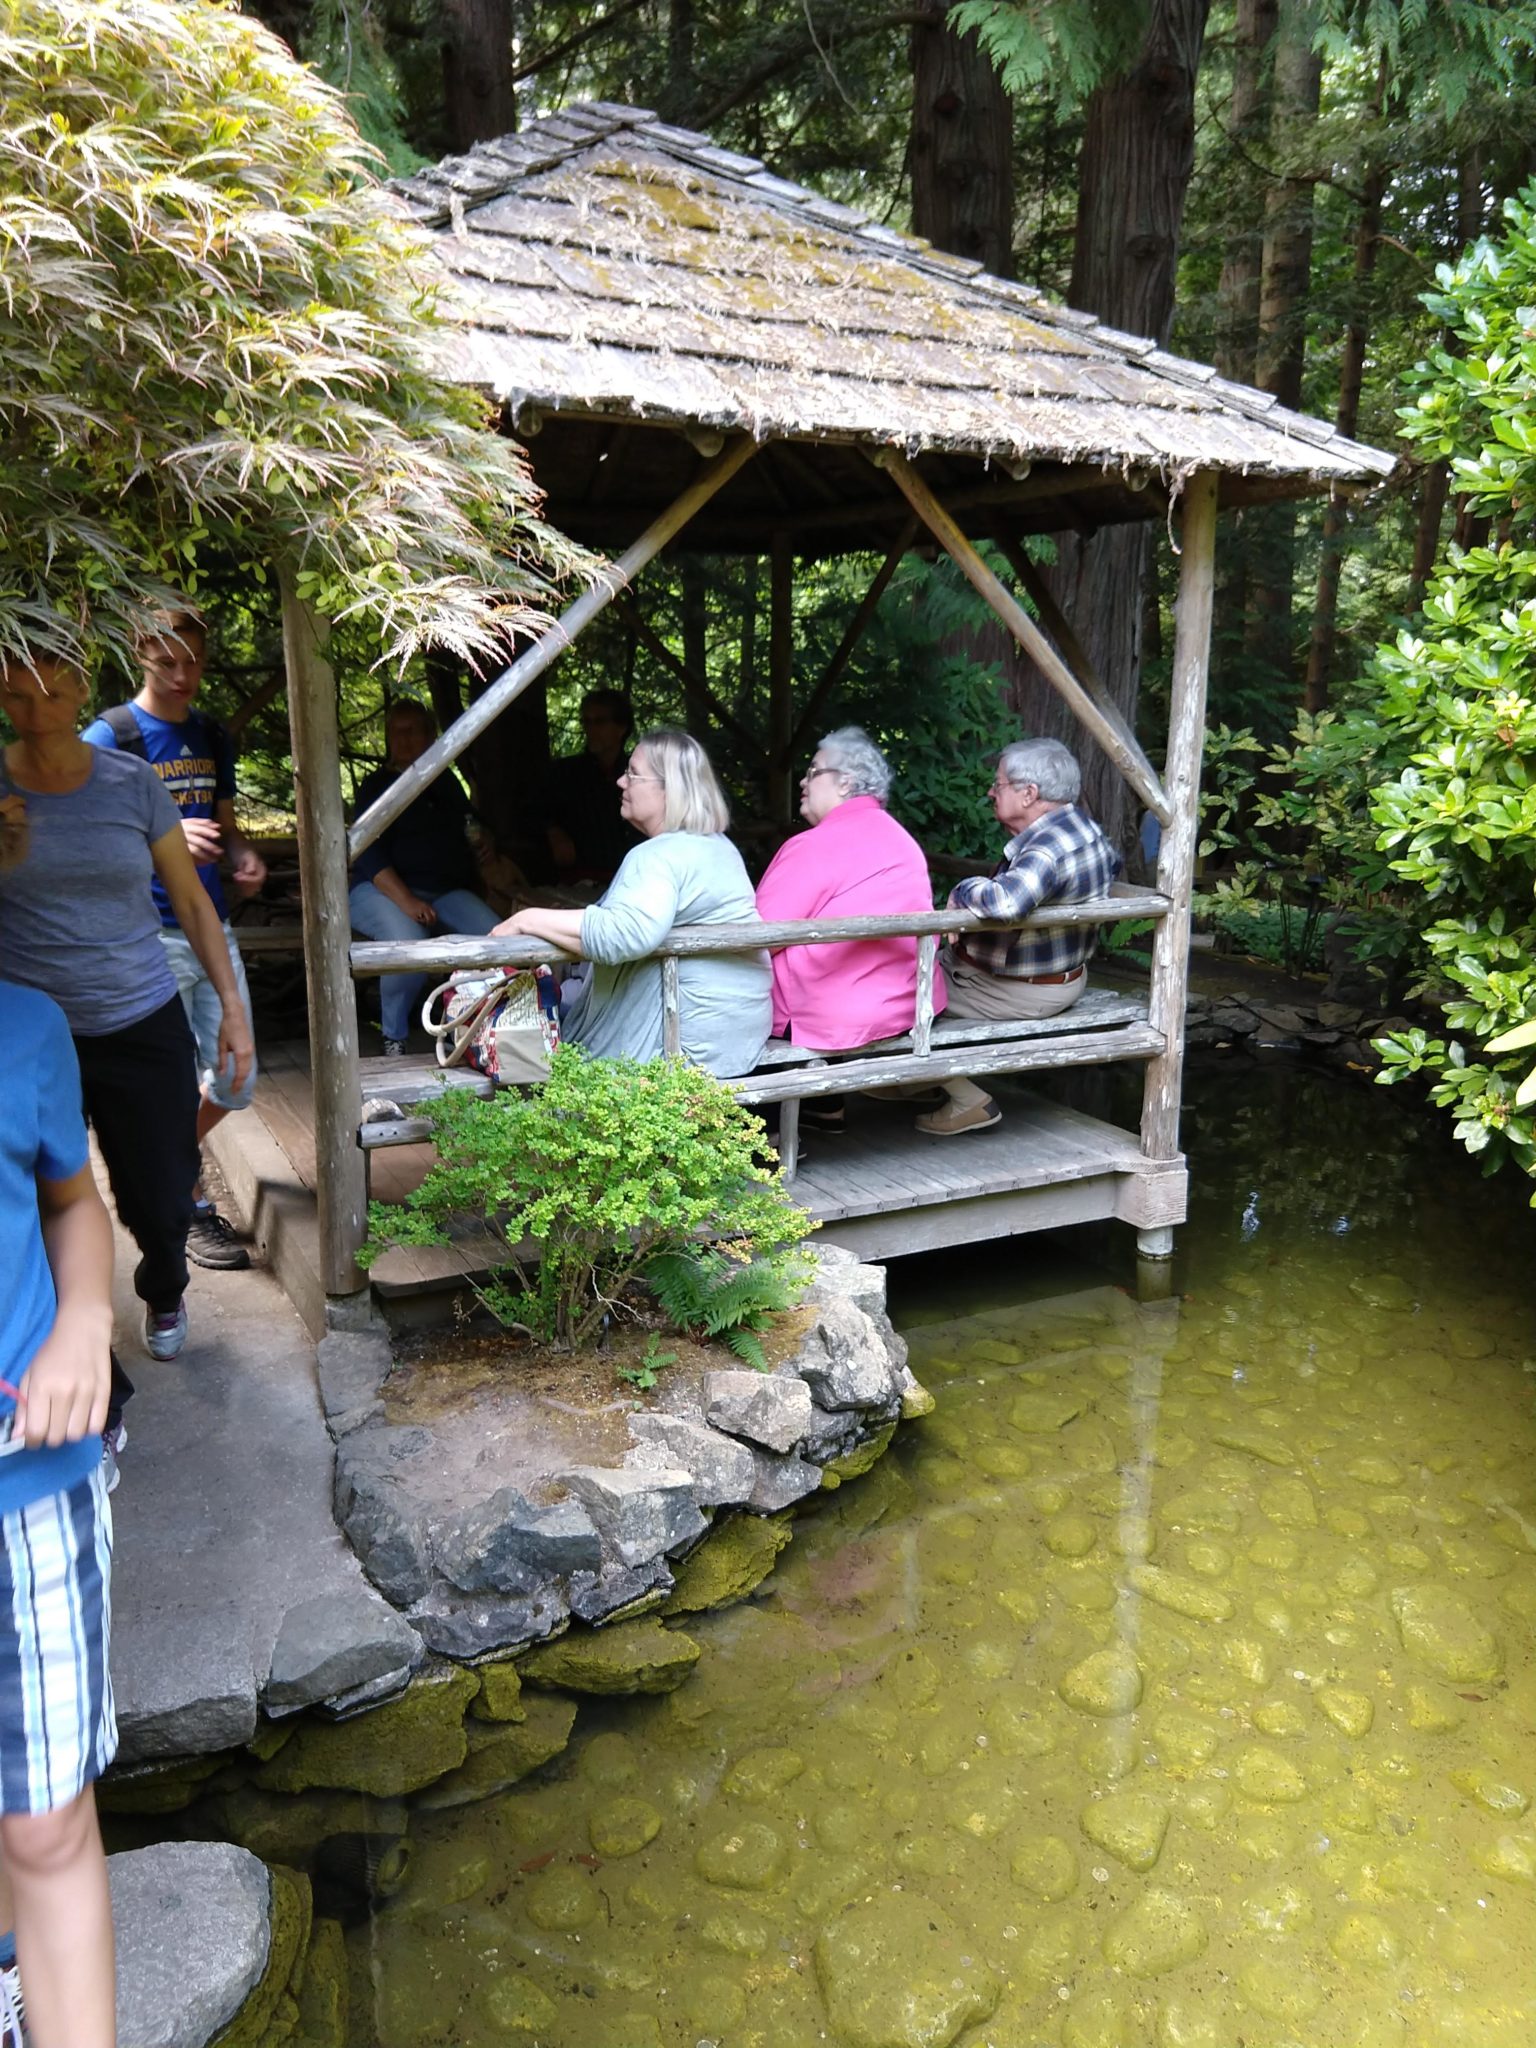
(1176, 854)
(339, 1165)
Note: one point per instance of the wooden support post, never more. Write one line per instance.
(1176, 857)
(922, 1027)
(1121, 747)
(781, 679)
(339, 1166)
(448, 746)
(857, 626)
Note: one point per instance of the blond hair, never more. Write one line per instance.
(695, 802)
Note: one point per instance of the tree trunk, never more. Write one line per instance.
(961, 146)
(1247, 125)
(1280, 355)
(1325, 610)
(479, 102)
(1137, 153)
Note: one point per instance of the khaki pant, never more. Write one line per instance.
(994, 997)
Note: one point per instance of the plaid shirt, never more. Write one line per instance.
(1062, 858)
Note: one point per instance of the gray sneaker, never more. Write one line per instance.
(165, 1335)
(13, 2010)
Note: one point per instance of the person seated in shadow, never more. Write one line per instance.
(855, 861)
(684, 871)
(588, 831)
(1056, 853)
(420, 877)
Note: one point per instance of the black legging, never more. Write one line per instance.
(141, 1097)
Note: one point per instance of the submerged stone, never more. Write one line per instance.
(516, 2005)
(1492, 1789)
(761, 1773)
(896, 1971)
(748, 1859)
(1440, 1630)
(1350, 1712)
(1106, 1683)
(1046, 1867)
(1187, 1597)
(1130, 1826)
(562, 1899)
(628, 1656)
(1039, 1413)
(1161, 1932)
(623, 1827)
(1269, 1778)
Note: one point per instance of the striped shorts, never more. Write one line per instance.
(58, 1730)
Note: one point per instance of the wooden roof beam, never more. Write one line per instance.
(528, 667)
(1112, 735)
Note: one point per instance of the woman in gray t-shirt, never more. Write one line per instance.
(78, 922)
(685, 872)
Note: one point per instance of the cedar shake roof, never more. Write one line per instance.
(617, 274)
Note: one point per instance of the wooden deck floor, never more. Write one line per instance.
(882, 1188)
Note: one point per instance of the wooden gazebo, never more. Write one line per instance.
(668, 326)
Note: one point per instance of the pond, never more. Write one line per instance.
(1171, 1686)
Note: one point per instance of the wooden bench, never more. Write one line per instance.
(1101, 1025)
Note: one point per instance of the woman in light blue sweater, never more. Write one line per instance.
(686, 872)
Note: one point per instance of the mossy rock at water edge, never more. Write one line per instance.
(323, 1997)
(271, 2010)
(855, 1463)
(731, 1562)
(281, 1827)
(634, 1656)
(500, 1697)
(387, 1751)
(500, 1753)
(157, 1788)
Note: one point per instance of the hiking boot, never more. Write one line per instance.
(211, 1242)
(953, 1122)
(164, 1335)
(114, 1441)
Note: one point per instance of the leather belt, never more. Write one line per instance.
(1044, 980)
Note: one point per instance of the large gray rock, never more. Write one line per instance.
(470, 1626)
(179, 1697)
(596, 1595)
(843, 1360)
(352, 1366)
(780, 1482)
(333, 1644)
(840, 1276)
(507, 1545)
(770, 1409)
(193, 1923)
(639, 1515)
(381, 1518)
(720, 1468)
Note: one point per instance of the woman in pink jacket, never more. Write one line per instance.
(855, 861)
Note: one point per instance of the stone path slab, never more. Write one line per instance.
(224, 1525)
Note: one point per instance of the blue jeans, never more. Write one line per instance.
(458, 910)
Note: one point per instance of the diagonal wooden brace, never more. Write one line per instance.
(1106, 726)
(448, 746)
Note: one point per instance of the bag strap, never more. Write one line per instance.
(124, 728)
(464, 1027)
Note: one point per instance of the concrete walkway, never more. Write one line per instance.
(224, 1523)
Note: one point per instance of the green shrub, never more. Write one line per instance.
(585, 1181)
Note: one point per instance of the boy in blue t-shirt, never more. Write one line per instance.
(195, 760)
(58, 1731)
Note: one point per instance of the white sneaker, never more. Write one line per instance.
(13, 2011)
(164, 1337)
(114, 1441)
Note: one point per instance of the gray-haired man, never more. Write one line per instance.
(1055, 853)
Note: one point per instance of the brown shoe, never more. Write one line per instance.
(954, 1122)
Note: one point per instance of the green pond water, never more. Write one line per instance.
(1171, 1685)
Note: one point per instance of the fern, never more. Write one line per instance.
(708, 1291)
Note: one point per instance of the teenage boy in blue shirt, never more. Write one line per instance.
(57, 1727)
(195, 761)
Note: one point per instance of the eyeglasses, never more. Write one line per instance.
(629, 775)
(811, 774)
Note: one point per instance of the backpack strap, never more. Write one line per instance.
(124, 728)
